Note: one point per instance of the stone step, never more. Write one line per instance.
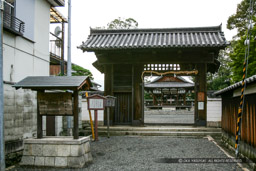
(157, 131)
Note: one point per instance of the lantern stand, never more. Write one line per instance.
(110, 102)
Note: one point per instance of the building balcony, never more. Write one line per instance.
(13, 24)
(57, 3)
(10, 22)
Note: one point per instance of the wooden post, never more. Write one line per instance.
(184, 98)
(202, 69)
(75, 129)
(96, 124)
(39, 122)
(170, 98)
(108, 109)
(142, 102)
(108, 90)
(196, 102)
(177, 98)
(137, 101)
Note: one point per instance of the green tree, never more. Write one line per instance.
(220, 79)
(80, 71)
(120, 23)
(240, 22)
(238, 54)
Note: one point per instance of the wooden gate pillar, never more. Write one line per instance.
(137, 99)
(108, 90)
(202, 95)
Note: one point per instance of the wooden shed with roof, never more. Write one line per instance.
(51, 103)
(126, 56)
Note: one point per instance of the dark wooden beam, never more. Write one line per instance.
(138, 102)
(39, 122)
(202, 113)
(75, 129)
(108, 90)
(159, 58)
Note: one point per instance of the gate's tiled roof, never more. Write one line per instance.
(154, 38)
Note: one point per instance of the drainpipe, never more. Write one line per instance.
(2, 151)
(69, 60)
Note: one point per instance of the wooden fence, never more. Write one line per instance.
(229, 117)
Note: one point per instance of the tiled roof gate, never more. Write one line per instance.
(154, 38)
(126, 56)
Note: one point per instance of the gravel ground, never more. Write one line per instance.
(169, 119)
(134, 153)
(155, 153)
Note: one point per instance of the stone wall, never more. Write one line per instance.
(57, 152)
(19, 116)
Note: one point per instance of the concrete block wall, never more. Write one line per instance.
(57, 152)
(19, 113)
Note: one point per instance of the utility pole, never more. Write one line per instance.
(69, 59)
(69, 38)
(2, 151)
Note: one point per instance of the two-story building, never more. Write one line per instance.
(26, 25)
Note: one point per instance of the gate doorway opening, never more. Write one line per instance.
(168, 98)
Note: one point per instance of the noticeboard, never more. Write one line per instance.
(55, 103)
(200, 96)
(200, 105)
(110, 101)
(96, 102)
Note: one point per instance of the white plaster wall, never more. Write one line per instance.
(85, 113)
(28, 17)
(28, 57)
(214, 109)
(42, 27)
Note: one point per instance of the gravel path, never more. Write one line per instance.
(154, 153)
(127, 153)
(169, 119)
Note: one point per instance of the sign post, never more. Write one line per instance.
(96, 102)
(109, 103)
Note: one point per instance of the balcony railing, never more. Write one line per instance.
(55, 46)
(13, 24)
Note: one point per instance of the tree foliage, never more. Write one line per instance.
(120, 23)
(80, 71)
(240, 22)
(238, 54)
(220, 79)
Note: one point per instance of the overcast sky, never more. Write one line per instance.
(148, 13)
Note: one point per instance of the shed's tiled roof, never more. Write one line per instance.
(236, 85)
(58, 82)
(155, 38)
